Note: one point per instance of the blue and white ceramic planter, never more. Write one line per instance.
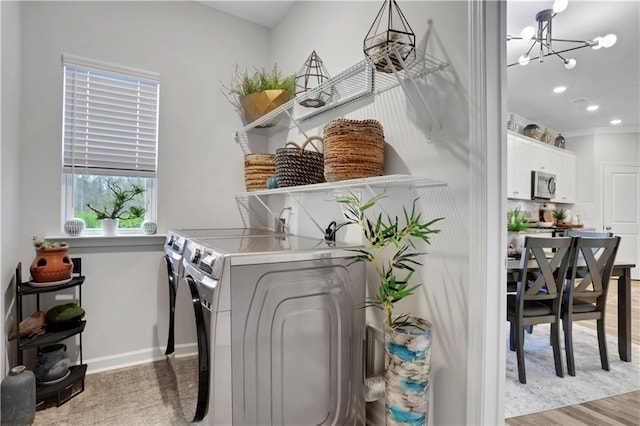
(408, 367)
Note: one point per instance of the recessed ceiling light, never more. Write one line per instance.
(616, 121)
(559, 89)
(592, 107)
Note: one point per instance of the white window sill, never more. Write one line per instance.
(122, 240)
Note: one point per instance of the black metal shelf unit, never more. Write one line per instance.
(73, 384)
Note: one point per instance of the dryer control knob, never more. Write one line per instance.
(196, 256)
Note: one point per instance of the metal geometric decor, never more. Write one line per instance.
(390, 41)
(312, 74)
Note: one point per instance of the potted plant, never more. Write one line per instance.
(389, 246)
(52, 262)
(559, 215)
(516, 223)
(257, 94)
(120, 206)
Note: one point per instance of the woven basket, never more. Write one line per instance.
(353, 149)
(297, 166)
(257, 169)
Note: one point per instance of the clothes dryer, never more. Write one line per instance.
(280, 329)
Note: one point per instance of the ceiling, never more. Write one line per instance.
(609, 78)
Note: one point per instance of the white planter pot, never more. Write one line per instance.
(110, 226)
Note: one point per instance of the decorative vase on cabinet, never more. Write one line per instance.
(52, 363)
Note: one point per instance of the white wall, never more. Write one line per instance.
(10, 210)
(193, 47)
(412, 149)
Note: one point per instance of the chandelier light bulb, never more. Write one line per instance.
(570, 63)
(523, 60)
(597, 43)
(609, 40)
(560, 5)
(528, 33)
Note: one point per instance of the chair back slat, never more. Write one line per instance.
(591, 266)
(545, 280)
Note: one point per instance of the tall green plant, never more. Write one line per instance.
(394, 269)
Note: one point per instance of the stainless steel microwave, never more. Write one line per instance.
(543, 185)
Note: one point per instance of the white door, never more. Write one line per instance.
(621, 210)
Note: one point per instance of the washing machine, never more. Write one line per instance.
(280, 325)
(174, 246)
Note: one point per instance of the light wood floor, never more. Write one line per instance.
(616, 410)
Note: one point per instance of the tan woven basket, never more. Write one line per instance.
(298, 166)
(353, 149)
(257, 169)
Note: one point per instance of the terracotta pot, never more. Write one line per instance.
(255, 105)
(51, 264)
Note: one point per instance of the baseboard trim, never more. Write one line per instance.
(130, 359)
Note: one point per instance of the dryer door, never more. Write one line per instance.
(190, 361)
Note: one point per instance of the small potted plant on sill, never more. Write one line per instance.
(390, 248)
(120, 206)
(257, 94)
(52, 262)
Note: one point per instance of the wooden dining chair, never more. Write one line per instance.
(585, 295)
(538, 296)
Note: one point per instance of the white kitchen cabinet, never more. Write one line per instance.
(522, 158)
(566, 178)
(525, 154)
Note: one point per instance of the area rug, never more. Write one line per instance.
(545, 391)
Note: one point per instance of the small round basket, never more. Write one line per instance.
(353, 149)
(257, 169)
(299, 166)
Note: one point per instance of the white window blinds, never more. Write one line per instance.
(110, 119)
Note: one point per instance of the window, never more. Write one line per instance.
(110, 135)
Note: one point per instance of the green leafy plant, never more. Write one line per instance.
(517, 221)
(560, 215)
(243, 83)
(384, 233)
(41, 244)
(120, 206)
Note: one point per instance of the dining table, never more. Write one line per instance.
(622, 274)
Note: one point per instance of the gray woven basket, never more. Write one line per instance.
(297, 166)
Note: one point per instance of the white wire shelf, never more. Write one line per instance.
(389, 181)
(359, 81)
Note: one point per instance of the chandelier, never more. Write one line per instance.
(542, 37)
